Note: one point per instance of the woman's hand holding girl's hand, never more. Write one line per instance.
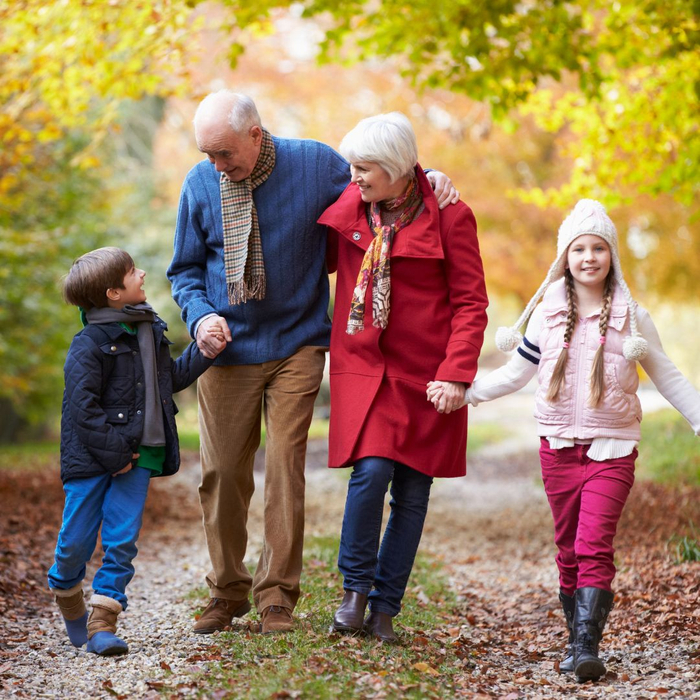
(446, 396)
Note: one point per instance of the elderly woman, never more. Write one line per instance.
(410, 308)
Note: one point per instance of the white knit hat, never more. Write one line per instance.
(588, 217)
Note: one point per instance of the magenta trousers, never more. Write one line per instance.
(586, 499)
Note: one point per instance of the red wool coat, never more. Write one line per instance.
(435, 331)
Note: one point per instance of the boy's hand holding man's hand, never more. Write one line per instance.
(212, 335)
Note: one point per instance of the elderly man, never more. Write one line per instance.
(249, 267)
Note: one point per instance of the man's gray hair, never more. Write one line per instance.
(386, 139)
(241, 112)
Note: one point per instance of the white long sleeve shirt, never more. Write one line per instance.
(522, 367)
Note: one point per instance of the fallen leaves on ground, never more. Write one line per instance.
(500, 636)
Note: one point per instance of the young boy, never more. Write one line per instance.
(117, 431)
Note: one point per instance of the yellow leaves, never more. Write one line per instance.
(8, 183)
(64, 65)
(422, 667)
(50, 133)
(87, 162)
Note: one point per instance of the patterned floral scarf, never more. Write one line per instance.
(376, 263)
(243, 255)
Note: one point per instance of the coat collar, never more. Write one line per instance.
(114, 330)
(420, 239)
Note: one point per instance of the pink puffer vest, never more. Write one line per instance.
(619, 413)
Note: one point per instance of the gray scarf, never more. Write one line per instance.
(143, 316)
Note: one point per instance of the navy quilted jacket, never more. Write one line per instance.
(103, 402)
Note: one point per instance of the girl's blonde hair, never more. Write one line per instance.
(597, 378)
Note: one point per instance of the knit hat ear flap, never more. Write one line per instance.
(634, 346)
(508, 338)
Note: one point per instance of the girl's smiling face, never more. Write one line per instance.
(588, 259)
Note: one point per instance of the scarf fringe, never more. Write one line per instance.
(241, 291)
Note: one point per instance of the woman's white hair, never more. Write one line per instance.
(386, 139)
(241, 112)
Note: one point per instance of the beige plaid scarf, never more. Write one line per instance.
(243, 255)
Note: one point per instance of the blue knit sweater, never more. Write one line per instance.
(307, 178)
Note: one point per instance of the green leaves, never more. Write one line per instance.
(66, 68)
(619, 83)
(494, 52)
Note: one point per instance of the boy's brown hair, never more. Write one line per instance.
(92, 274)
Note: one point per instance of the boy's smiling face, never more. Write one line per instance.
(132, 293)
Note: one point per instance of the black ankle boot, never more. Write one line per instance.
(379, 626)
(592, 608)
(568, 605)
(349, 616)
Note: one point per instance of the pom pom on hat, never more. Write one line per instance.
(635, 348)
(508, 338)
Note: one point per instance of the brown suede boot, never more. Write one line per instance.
(276, 619)
(71, 603)
(219, 613)
(102, 625)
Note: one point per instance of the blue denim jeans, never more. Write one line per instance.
(116, 503)
(366, 568)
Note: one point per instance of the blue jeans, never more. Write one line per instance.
(384, 575)
(116, 503)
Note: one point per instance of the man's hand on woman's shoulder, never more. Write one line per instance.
(443, 188)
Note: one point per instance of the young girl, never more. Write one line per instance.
(583, 341)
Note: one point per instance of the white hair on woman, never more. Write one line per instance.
(386, 139)
(240, 110)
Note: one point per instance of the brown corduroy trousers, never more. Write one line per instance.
(232, 400)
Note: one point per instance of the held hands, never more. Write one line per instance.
(443, 188)
(212, 335)
(129, 466)
(446, 396)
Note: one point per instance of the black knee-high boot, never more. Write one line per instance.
(592, 608)
(568, 605)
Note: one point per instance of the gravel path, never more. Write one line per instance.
(492, 530)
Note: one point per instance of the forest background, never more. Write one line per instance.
(528, 106)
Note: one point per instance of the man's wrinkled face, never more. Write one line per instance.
(234, 154)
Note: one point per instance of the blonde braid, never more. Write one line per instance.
(597, 378)
(557, 381)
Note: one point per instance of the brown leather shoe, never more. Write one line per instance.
(379, 625)
(276, 619)
(348, 617)
(219, 613)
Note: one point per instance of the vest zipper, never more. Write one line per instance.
(580, 385)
